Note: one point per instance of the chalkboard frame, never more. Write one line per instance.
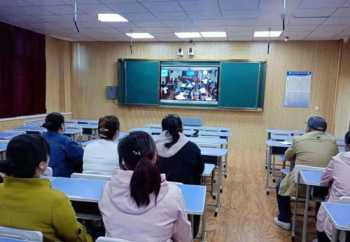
(260, 84)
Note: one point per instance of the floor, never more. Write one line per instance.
(247, 212)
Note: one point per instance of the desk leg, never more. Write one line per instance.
(219, 187)
(335, 235)
(295, 208)
(268, 171)
(306, 209)
(203, 226)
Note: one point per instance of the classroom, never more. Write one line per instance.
(175, 120)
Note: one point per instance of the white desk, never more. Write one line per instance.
(339, 214)
(90, 190)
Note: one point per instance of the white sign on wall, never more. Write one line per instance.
(298, 89)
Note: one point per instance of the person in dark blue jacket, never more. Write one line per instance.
(66, 156)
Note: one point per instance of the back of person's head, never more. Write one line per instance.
(347, 140)
(137, 152)
(24, 155)
(173, 125)
(317, 123)
(54, 122)
(108, 126)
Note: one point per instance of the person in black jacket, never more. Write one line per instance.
(179, 158)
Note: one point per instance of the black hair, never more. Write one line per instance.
(137, 152)
(53, 121)
(108, 127)
(23, 155)
(347, 138)
(173, 124)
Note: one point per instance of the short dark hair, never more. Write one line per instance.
(23, 155)
(53, 121)
(173, 124)
(347, 138)
(108, 126)
(136, 152)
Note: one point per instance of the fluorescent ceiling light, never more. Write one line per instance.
(213, 34)
(140, 35)
(187, 35)
(267, 34)
(111, 17)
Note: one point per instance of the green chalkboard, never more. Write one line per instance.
(240, 85)
(139, 82)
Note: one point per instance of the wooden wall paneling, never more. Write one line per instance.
(94, 67)
(342, 114)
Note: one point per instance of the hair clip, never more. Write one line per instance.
(136, 152)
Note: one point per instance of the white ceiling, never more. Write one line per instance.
(306, 19)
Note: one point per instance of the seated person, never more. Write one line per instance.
(66, 156)
(28, 201)
(101, 156)
(314, 148)
(337, 177)
(138, 204)
(179, 158)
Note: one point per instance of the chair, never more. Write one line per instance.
(20, 235)
(91, 176)
(105, 239)
(48, 172)
(345, 199)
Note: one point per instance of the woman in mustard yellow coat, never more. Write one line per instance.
(28, 201)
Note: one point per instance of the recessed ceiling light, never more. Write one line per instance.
(140, 35)
(213, 34)
(187, 35)
(267, 34)
(111, 17)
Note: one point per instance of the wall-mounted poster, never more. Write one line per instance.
(298, 89)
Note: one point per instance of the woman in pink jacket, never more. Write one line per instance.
(138, 204)
(337, 176)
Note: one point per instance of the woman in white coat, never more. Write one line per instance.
(138, 204)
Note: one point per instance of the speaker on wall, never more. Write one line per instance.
(111, 92)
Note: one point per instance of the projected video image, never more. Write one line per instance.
(196, 85)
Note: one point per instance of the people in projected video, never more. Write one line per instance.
(179, 83)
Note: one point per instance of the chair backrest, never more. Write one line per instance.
(48, 172)
(297, 168)
(20, 234)
(345, 199)
(91, 176)
(106, 239)
(281, 136)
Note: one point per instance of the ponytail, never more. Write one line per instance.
(137, 152)
(173, 125)
(145, 181)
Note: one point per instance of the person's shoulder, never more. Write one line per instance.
(174, 192)
(192, 146)
(55, 195)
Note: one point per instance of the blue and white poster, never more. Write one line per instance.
(298, 89)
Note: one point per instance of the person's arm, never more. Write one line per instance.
(290, 153)
(327, 176)
(182, 228)
(65, 222)
(75, 153)
(199, 166)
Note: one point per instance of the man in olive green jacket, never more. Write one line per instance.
(315, 148)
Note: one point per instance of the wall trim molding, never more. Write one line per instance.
(26, 117)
